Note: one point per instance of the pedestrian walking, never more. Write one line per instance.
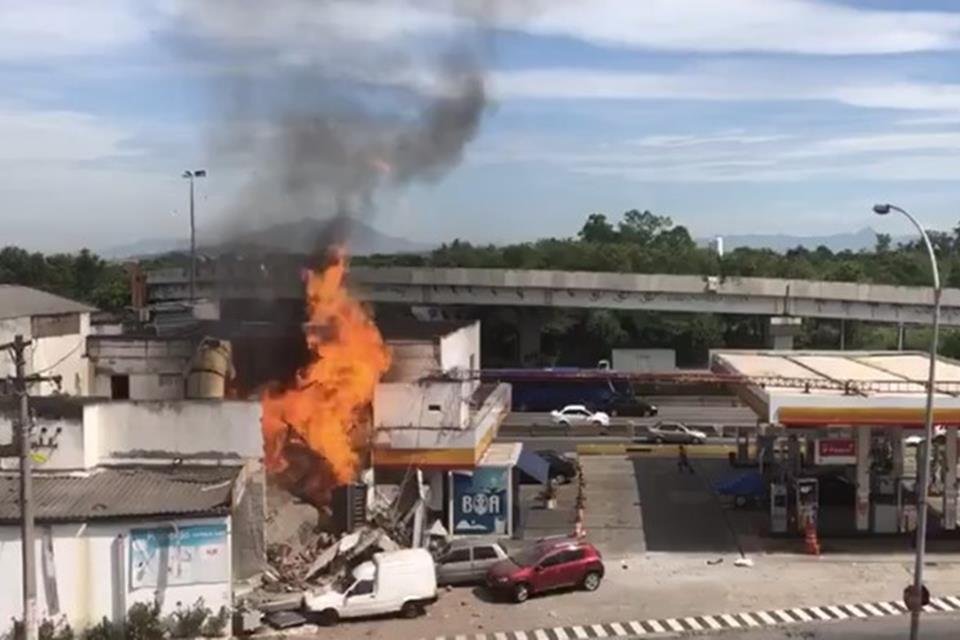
(683, 462)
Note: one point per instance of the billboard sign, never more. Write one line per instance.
(836, 451)
(480, 502)
(178, 556)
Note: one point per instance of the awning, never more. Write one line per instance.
(533, 466)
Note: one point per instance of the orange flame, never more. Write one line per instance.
(327, 406)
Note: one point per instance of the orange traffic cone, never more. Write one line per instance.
(811, 542)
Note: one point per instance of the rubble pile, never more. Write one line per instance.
(321, 559)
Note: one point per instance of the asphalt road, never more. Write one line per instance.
(932, 627)
(693, 415)
(567, 444)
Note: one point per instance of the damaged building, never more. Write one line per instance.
(135, 502)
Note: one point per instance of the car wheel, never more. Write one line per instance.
(658, 440)
(561, 478)
(591, 581)
(328, 618)
(411, 610)
(740, 501)
(521, 593)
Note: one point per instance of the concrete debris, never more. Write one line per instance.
(321, 558)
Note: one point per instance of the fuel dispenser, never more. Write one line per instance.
(887, 504)
(778, 508)
(807, 495)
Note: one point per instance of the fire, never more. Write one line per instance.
(326, 407)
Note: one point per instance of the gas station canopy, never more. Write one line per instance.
(848, 388)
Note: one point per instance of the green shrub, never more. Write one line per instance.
(186, 622)
(58, 629)
(143, 622)
(215, 626)
(104, 630)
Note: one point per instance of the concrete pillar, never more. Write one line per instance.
(781, 331)
(863, 478)
(950, 480)
(900, 337)
(528, 341)
(843, 334)
(896, 442)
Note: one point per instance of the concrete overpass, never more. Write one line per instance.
(573, 289)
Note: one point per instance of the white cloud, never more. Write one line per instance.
(725, 83)
(54, 28)
(725, 157)
(58, 137)
(784, 26)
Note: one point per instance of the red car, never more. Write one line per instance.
(545, 566)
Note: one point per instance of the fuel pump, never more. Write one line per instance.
(778, 507)
(807, 493)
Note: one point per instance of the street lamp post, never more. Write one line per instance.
(924, 479)
(190, 175)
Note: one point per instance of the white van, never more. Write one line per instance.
(403, 581)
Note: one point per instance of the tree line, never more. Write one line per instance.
(643, 242)
(82, 276)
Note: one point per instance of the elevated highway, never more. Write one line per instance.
(572, 289)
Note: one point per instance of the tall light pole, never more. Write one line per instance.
(924, 479)
(190, 175)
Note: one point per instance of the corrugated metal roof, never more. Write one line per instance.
(18, 302)
(123, 492)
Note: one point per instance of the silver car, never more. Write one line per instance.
(467, 559)
(675, 433)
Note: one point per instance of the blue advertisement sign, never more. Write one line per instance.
(480, 504)
(183, 555)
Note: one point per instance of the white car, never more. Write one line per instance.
(396, 581)
(574, 414)
(675, 433)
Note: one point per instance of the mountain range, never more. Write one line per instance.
(301, 236)
(865, 238)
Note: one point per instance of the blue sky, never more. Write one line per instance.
(730, 116)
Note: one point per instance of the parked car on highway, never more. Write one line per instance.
(675, 433)
(630, 406)
(466, 560)
(574, 414)
(561, 468)
(545, 566)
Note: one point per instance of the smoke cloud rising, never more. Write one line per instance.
(330, 101)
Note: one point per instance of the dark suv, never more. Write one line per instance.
(630, 406)
(547, 565)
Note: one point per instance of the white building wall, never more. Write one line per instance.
(89, 583)
(66, 434)
(461, 349)
(644, 360)
(54, 355)
(197, 429)
(427, 404)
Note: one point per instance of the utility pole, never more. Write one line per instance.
(22, 447)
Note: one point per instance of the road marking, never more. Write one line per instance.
(580, 632)
(618, 629)
(869, 608)
(730, 620)
(674, 624)
(784, 616)
(938, 602)
(796, 612)
(820, 613)
(712, 622)
(540, 634)
(656, 626)
(766, 617)
(520, 635)
(599, 631)
(560, 633)
(853, 610)
(746, 617)
(637, 628)
(500, 636)
(837, 611)
(693, 624)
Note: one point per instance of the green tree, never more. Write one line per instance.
(597, 229)
(642, 226)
